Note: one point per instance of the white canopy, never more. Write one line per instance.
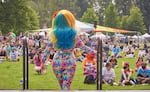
(83, 27)
(146, 35)
(135, 37)
(119, 35)
(99, 35)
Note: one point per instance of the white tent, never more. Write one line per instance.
(83, 27)
(119, 35)
(146, 35)
(135, 37)
(99, 35)
(84, 33)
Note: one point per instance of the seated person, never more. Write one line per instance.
(78, 55)
(142, 52)
(13, 55)
(143, 74)
(3, 54)
(113, 61)
(126, 76)
(31, 56)
(108, 74)
(130, 53)
(139, 63)
(116, 50)
(148, 57)
(89, 64)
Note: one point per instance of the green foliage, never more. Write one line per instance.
(135, 20)
(45, 8)
(124, 22)
(111, 16)
(144, 7)
(89, 16)
(17, 16)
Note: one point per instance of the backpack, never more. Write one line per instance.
(89, 79)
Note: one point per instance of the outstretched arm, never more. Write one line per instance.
(82, 46)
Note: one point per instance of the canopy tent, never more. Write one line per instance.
(80, 26)
(84, 33)
(108, 29)
(119, 35)
(100, 35)
(135, 37)
(83, 27)
(146, 35)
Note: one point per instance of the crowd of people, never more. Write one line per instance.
(41, 53)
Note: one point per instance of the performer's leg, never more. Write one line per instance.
(58, 74)
(68, 75)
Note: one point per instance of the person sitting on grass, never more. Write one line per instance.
(143, 74)
(108, 74)
(148, 57)
(13, 55)
(130, 52)
(31, 56)
(139, 63)
(142, 52)
(126, 75)
(116, 51)
(89, 64)
(3, 54)
(38, 62)
(78, 55)
(113, 61)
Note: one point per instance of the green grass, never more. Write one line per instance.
(11, 73)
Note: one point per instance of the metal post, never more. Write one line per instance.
(98, 69)
(25, 65)
(27, 69)
(101, 61)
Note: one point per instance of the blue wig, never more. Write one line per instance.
(64, 34)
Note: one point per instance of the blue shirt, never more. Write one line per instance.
(142, 72)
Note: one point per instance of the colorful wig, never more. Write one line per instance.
(63, 33)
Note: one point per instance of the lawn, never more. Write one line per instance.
(11, 73)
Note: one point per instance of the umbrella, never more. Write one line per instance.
(83, 27)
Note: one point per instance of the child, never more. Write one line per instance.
(126, 75)
(139, 62)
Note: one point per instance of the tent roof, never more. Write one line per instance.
(108, 29)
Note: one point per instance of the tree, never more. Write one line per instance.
(83, 4)
(144, 7)
(89, 16)
(45, 8)
(17, 16)
(124, 22)
(135, 20)
(111, 16)
(124, 6)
